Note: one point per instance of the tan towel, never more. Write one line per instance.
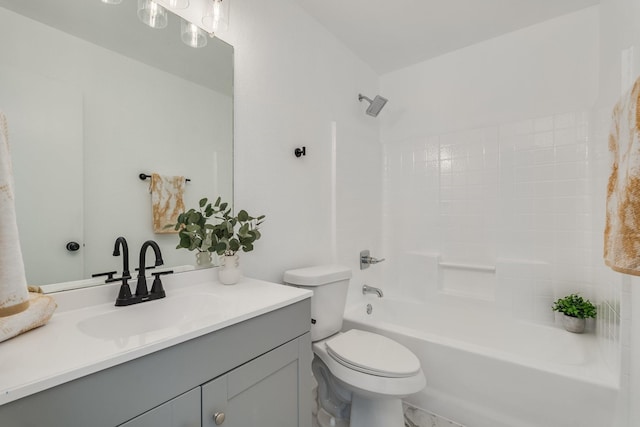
(40, 310)
(622, 228)
(14, 297)
(166, 201)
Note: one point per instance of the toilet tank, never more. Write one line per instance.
(329, 284)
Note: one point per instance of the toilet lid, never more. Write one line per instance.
(373, 354)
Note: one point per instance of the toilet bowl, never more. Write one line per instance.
(361, 375)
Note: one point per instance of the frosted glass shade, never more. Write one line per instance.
(175, 4)
(192, 35)
(216, 15)
(152, 14)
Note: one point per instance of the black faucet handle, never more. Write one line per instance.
(109, 275)
(146, 268)
(124, 294)
(162, 273)
(157, 290)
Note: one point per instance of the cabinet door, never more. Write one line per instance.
(183, 411)
(263, 392)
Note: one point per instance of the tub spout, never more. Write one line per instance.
(366, 289)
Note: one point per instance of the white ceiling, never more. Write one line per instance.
(392, 34)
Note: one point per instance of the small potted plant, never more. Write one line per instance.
(576, 310)
(233, 233)
(195, 233)
(226, 237)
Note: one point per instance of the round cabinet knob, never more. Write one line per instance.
(73, 246)
(218, 418)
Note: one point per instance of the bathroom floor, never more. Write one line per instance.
(414, 417)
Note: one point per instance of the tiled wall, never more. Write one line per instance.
(526, 197)
(613, 290)
(516, 196)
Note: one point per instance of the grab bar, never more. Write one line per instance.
(472, 267)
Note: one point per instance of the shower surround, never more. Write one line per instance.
(503, 215)
(494, 174)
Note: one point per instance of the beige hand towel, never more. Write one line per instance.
(40, 310)
(166, 201)
(14, 297)
(622, 228)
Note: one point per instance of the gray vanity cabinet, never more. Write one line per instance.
(264, 393)
(183, 411)
(257, 372)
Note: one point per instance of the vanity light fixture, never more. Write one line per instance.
(152, 14)
(175, 4)
(192, 35)
(199, 18)
(216, 15)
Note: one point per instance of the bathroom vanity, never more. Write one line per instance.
(233, 356)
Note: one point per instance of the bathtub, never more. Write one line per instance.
(486, 370)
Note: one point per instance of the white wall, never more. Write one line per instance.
(293, 80)
(486, 163)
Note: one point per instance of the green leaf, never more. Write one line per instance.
(243, 216)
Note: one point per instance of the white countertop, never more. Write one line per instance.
(88, 333)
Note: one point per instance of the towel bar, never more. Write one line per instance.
(144, 176)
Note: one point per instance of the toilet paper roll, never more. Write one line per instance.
(14, 296)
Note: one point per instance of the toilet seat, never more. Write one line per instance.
(372, 354)
(364, 383)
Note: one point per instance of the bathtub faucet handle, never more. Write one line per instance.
(366, 259)
(366, 289)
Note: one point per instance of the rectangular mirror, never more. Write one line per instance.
(93, 98)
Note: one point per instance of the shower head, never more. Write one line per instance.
(376, 104)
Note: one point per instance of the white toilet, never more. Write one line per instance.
(361, 375)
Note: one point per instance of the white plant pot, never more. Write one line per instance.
(573, 324)
(203, 260)
(229, 272)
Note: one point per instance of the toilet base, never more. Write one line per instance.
(384, 412)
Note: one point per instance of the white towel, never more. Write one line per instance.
(166, 201)
(622, 228)
(14, 297)
(40, 310)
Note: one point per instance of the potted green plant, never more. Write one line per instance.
(576, 310)
(230, 235)
(195, 233)
(233, 233)
(227, 235)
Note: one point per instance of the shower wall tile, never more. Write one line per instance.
(518, 190)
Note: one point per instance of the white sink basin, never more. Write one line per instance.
(176, 311)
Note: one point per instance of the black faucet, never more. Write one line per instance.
(141, 288)
(122, 242)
